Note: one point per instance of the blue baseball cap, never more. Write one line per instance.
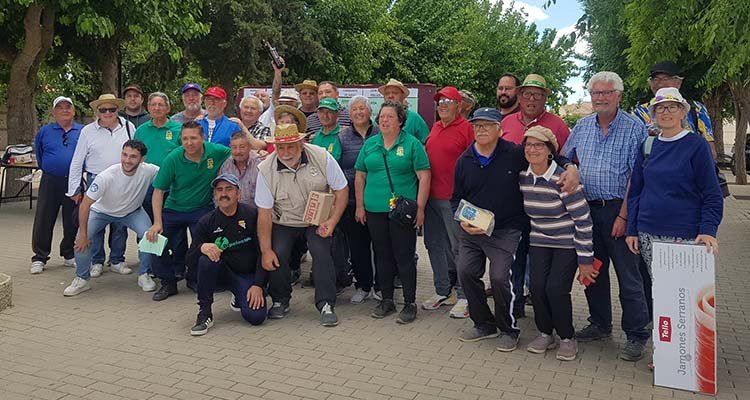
(193, 86)
(486, 114)
(229, 178)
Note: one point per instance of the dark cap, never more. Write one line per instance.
(193, 86)
(229, 178)
(132, 87)
(665, 67)
(486, 114)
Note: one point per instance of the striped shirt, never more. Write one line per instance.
(314, 125)
(557, 219)
(605, 162)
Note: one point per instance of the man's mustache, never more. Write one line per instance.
(224, 198)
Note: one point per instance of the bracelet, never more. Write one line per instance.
(624, 219)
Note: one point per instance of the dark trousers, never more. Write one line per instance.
(552, 274)
(217, 274)
(360, 255)
(646, 276)
(633, 302)
(394, 246)
(298, 250)
(473, 250)
(519, 273)
(178, 258)
(51, 198)
(283, 239)
(174, 225)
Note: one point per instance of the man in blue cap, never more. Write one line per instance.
(226, 248)
(192, 98)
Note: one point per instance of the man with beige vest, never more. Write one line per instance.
(285, 180)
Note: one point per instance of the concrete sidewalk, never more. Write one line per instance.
(115, 342)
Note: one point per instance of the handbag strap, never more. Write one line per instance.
(388, 173)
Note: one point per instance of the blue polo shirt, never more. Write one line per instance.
(54, 148)
(222, 131)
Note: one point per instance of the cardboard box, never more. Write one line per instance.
(319, 207)
(684, 332)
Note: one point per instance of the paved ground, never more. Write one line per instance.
(114, 342)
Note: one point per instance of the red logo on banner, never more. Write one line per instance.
(665, 329)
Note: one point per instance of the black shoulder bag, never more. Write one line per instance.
(403, 210)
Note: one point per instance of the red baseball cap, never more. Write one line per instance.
(215, 91)
(448, 92)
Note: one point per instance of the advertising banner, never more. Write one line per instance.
(684, 332)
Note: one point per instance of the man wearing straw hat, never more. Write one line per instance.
(308, 96)
(396, 91)
(284, 183)
(98, 148)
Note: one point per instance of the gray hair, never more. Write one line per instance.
(357, 99)
(606, 77)
(159, 94)
(255, 98)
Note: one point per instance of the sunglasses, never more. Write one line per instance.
(446, 102)
(107, 110)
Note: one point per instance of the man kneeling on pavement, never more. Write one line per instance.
(225, 248)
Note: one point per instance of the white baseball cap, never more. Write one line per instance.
(60, 99)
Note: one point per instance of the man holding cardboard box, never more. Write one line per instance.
(291, 195)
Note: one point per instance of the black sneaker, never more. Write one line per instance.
(397, 284)
(204, 321)
(633, 350)
(328, 317)
(233, 304)
(278, 310)
(590, 333)
(408, 314)
(165, 291)
(383, 309)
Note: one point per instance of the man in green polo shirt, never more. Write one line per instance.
(186, 173)
(396, 91)
(327, 136)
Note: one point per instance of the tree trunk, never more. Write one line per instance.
(714, 102)
(227, 83)
(741, 98)
(108, 65)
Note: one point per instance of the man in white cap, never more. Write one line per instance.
(396, 91)
(98, 148)
(54, 145)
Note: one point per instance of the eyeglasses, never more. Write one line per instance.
(483, 127)
(672, 108)
(446, 102)
(663, 78)
(107, 110)
(535, 95)
(535, 145)
(602, 93)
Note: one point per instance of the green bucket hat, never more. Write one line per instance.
(329, 103)
(537, 81)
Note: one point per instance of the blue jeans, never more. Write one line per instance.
(174, 225)
(137, 221)
(440, 239)
(212, 274)
(633, 302)
(118, 238)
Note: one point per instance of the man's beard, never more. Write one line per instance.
(193, 107)
(505, 101)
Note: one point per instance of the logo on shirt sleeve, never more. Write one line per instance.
(210, 163)
(168, 135)
(400, 151)
(94, 188)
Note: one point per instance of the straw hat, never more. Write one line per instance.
(107, 98)
(278, 110)
(537, 81)
(543, 134)
(285, 133)
(307, 84)
(394, 83)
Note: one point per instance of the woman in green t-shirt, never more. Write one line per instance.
(409, 170)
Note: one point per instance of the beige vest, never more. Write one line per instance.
(290, 188)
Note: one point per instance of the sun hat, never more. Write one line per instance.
(215, 91)
(285, 133)
(289, 95)
(394, 83)
(665, 95)
(227, 177)
(278, 110)
(448, 92)
(306, 84)
(107, 98)
(543, 134)
(537, 81)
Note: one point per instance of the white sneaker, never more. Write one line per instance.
(96, 270)
(37, 267)
(79, 285)
(120, 268)
(146, 283)
(377, 295)
(69, 262)
(360, 296)
(434, 302)
(460, 310)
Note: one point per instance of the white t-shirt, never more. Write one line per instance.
(117, 194)
(334, 175)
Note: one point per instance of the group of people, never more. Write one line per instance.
(565, 204)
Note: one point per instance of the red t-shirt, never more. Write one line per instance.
(514, 128)
(444, 146)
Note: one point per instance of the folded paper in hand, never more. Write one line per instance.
(152, 247)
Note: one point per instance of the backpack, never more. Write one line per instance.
(17, 153)
(648, 144)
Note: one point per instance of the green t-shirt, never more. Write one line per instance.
(189, 183)
(416, 126)
(329, 141)
(405, 158)
(159, 141)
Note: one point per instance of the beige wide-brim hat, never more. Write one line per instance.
(107, 98)
(307, 84)
(667, 95)
(543, 134)
(394, 83)
(278, 110)
(285, 133)
(537, 81)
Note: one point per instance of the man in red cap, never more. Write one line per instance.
(217, 128)
(448, 139)
(133, 110)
